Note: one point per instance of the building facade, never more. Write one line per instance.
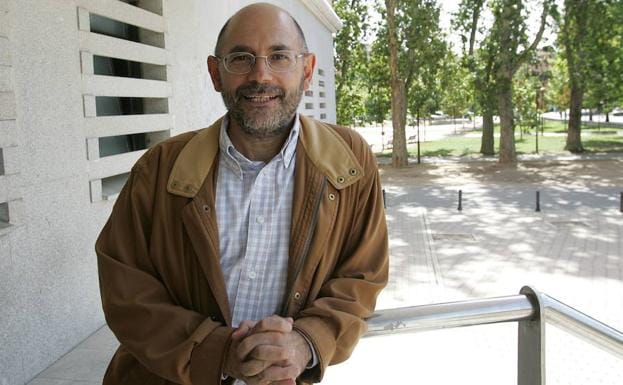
(86, 87)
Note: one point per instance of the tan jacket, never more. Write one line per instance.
(162, 288)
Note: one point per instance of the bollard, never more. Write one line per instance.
(538, 201)
(384, 204)
(460, 208)
(621, 200)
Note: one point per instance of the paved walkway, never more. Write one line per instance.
(571, 250)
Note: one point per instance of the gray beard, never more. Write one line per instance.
(256, 122)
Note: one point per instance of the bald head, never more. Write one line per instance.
(260, 13)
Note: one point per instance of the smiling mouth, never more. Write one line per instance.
(261, 98)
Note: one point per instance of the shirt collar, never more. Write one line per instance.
(236, 161)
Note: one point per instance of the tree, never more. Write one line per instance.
(494, 61)
(576, 43)
(558, 92)
(378, 103)
(508, 36)
(456, 90)
(350, 60)
(591, 38)
(415, 47)
(478, 59)
(400, 156)
(604, 65)
(526, 91)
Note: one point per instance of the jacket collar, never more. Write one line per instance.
(324, 147)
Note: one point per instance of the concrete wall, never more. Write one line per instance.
(52, 194)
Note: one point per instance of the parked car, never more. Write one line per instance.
(439, 115)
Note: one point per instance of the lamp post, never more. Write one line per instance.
(418, 137)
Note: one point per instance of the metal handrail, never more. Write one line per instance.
(451, 314)
(531, 309)
(583, 326)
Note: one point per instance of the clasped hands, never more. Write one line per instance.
(267, 352)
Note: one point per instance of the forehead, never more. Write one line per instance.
(260, 30)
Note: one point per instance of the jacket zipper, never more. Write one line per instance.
(301, 260)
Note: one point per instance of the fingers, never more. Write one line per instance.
(265, 351)
(252, 341)
(275, 374)
(271, 353)
(253, 368)
(243, 329)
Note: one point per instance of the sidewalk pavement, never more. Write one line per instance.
(572, 250)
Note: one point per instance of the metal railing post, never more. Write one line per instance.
(531, 343)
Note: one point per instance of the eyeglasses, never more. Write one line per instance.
(241, 63)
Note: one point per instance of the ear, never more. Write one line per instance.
(308, 69)
(214, 73)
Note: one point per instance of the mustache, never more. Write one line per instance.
(255, 88)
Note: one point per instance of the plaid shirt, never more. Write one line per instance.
(253, 209)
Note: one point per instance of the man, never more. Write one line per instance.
(252, 250)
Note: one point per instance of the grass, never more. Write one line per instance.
(553, 141)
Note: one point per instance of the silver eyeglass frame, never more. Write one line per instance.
(255, 57)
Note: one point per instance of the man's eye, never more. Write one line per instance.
(279, 57)
(239, 59)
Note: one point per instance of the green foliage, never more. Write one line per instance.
(351, 60)
(603, 68)
(527, 94)
(590, 35)
(491, 66)
(558, 92)
(466, 22)
(457, 92)
(425, 55)
(378, 81)
(420, 56)
(478, 55)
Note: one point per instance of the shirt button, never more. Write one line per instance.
(251, 274)
(297, 296)
(259, 219)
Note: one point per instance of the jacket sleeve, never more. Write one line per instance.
(335, 320)
(170, 341)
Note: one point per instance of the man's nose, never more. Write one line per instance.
(260, 70)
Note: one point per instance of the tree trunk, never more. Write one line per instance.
(400, 156)
(487, 144)
(574, 138)
(574, 34)
(508, 61)
(507, 124)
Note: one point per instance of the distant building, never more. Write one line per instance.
(541, 64)
(86, 86)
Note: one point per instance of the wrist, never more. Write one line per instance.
(306, 349)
